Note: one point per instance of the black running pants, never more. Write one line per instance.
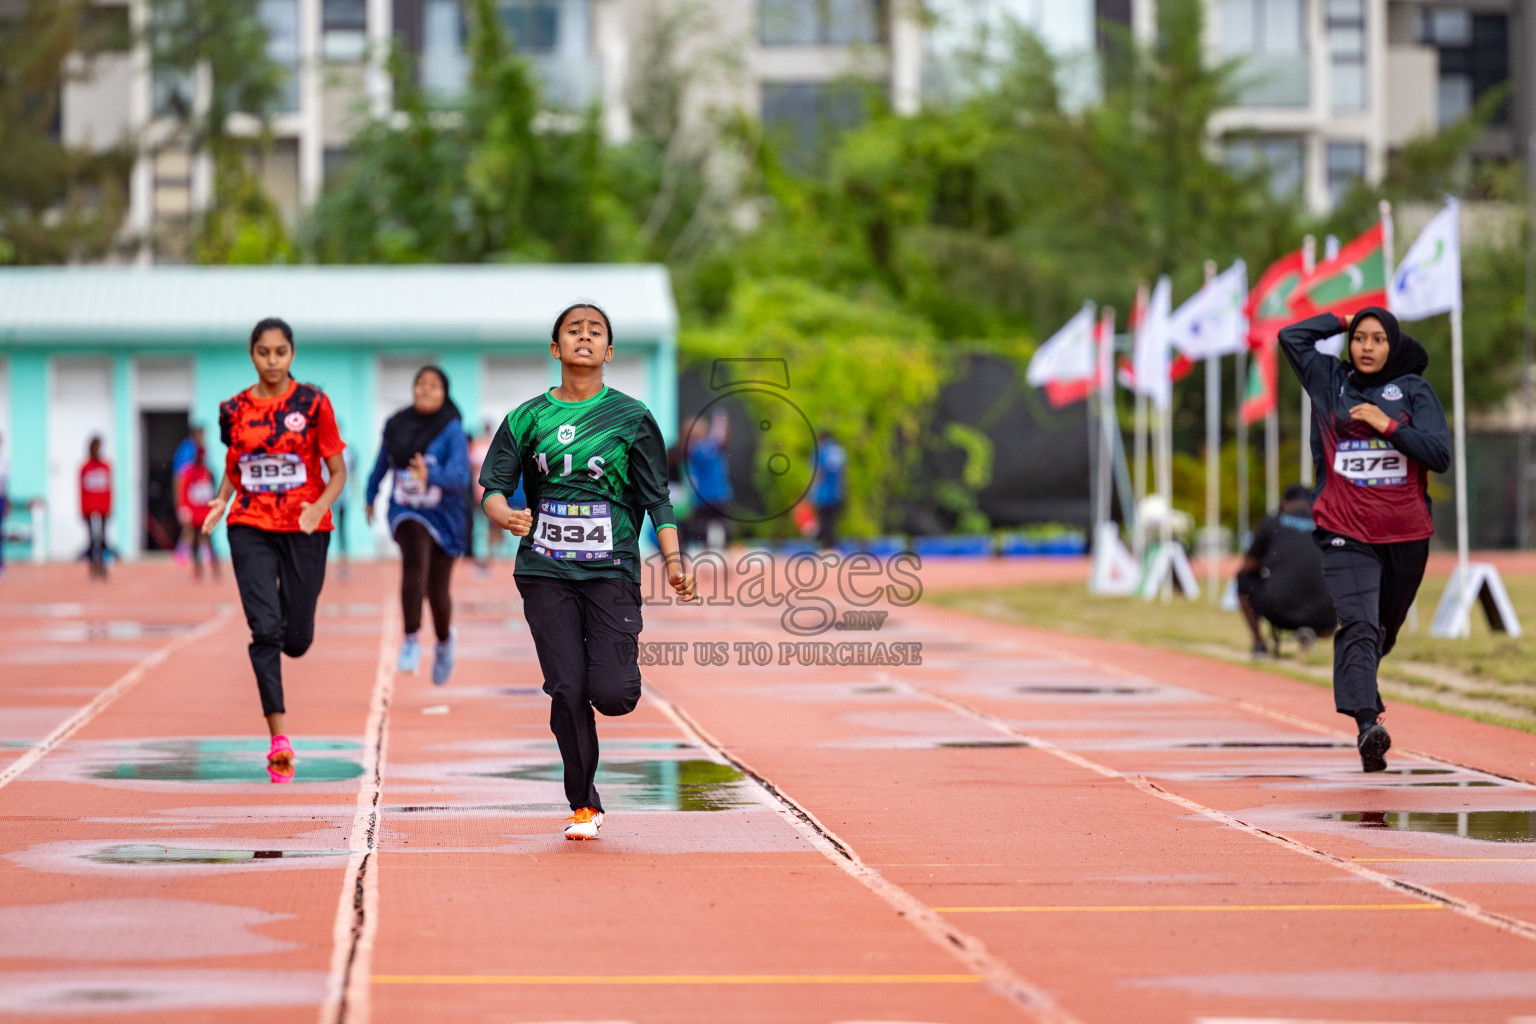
(585, 633)
(280, 576)
(426, 570)
(1373, 586)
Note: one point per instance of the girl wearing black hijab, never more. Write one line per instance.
(1382, 432)
(425, 449)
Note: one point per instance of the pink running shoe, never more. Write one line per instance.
(280, 760)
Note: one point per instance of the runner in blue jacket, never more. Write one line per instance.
(425, 449)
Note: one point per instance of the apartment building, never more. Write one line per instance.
(800, 65)
(1331, 87)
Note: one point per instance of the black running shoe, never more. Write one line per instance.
(1374, 744)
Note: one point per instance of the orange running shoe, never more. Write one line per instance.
(585, 823)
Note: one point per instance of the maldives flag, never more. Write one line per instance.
(1346, 284)
(1259, 397)
(1269, 303)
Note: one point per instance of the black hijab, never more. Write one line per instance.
(1404, 355)
(408, 432)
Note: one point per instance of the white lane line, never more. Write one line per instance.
(1264, 711)
(347, 993)
(965, 948)
(104, 699)
(1514, 926)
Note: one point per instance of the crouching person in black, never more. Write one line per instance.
(1281, 578)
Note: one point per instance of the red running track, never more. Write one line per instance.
(1025, 826)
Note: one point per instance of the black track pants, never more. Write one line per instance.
(1373, 586)
(585, 632)
(280, 576)
(425, 570)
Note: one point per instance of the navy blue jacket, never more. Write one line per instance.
(1375, 486)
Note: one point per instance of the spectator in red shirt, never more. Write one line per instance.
(195, 489)
(96, 506)
(277, 432)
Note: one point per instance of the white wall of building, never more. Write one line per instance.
(80, 406)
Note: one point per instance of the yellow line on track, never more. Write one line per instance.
(1215, 906)
(675, 979)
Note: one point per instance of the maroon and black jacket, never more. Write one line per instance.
(1369, 490)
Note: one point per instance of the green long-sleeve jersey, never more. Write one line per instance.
(590, 470)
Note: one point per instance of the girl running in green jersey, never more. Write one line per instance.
(592, 462)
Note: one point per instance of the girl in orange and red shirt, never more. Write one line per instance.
(277, 432)
(96, 505)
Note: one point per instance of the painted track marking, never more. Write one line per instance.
(1502, 922)
(67, 728)
(966, 948)
(357, 909)
(676, 979)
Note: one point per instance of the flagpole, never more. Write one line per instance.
(1240, 362)
(1139, 483)
(1272, 454)
(1308, 263)
(1459, 408)
(1212, 461)
(1107, 424)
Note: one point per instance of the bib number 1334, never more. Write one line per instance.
(578, 532)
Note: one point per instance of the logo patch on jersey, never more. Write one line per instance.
(1392, 392)
(295, 422)
(566, 434)
(1337, 542)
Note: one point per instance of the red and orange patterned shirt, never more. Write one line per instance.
(275, 448)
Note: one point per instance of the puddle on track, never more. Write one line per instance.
(227, 760)
(1082, 691)
(692, 785)
(1487, 826)
(143, 853)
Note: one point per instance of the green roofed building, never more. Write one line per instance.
(137, 354)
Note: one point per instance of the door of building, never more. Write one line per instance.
(161, 432)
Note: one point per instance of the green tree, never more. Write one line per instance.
(225, 44)
(493, 176)
(58, 203)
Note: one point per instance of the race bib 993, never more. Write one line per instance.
(272, 473)
(1370, 463)
(578, 532)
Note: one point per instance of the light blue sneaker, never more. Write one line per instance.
(442, 658)
(410, 654)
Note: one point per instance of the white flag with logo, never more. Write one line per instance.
(1428, 281)
(1149, 363)
(1068, 354)
(1211, 322)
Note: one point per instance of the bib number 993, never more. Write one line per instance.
(275, 473)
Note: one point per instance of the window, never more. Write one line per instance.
(281, 19)
(802, 117)
(1281, 158)
(1474, 58)
(444, 65)
(1345, 22)
(345, 35)
(533, 25)
(1269, 37)
(821, 22)
(1346, 167)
